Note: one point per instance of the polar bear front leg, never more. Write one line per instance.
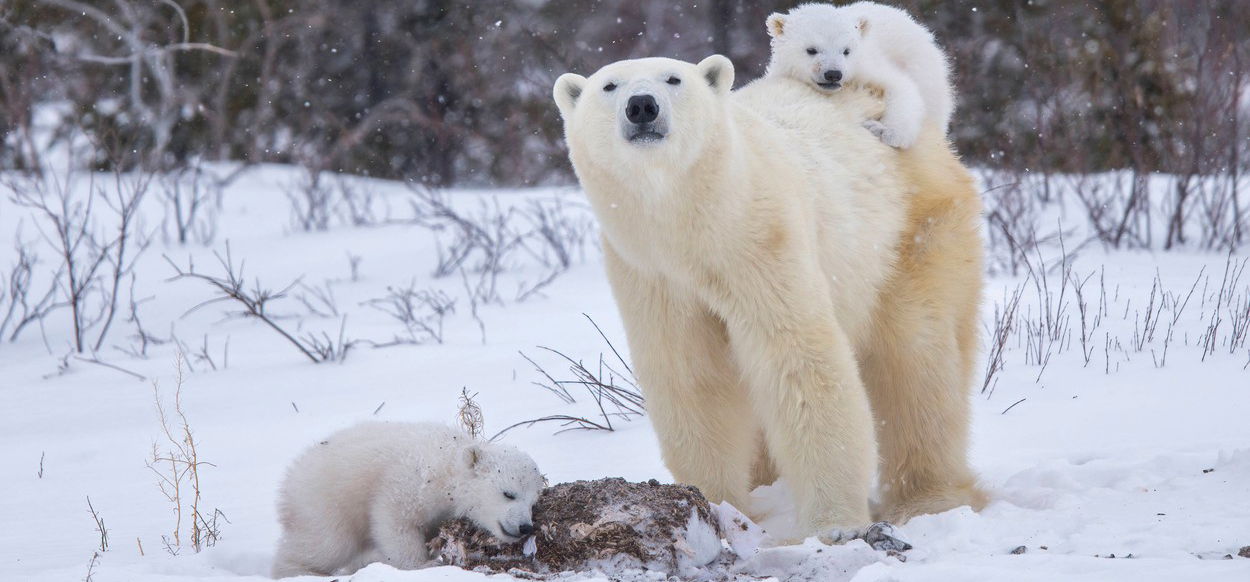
(806, 392)
(694, 397)
(397, 535)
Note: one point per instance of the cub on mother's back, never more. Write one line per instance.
(867, 43)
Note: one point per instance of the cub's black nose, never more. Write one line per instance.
(642, 109)
(833, 76)
(525, 529)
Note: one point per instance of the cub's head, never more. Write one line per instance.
(499, 496)
(815, 43)
(638, 113)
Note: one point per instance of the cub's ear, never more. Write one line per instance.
(719, 73)
(862, 25)
(776, 24)
(473, 456)
(568, 88)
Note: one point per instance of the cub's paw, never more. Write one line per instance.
(884, 133)
(881, 536)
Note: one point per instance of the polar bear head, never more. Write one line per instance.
(638, 115)
(815, 43)
(500, 490)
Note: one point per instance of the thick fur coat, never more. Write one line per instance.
(869, 44)
(785, 279)
(378, 491)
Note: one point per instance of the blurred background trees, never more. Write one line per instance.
(446, 92)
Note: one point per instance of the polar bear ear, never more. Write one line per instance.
(719, 73)
(862, 26)
(776, 24)
(568, 88)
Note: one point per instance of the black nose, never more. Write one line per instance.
(642, 109)
(833, 76)
(525, 529)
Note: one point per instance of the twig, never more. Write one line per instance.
(99, 526)
(99, 362)
(1013, 405)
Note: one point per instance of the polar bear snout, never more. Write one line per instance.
(644, 120)
(831, 79)
(642, 109)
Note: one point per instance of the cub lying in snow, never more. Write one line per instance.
(376, 492)
(872, 44)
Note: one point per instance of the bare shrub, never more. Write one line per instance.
(318, 300)
(192, 201)
(487, 235)
(1089, 321)
(310, 200)
(421, 311)
(615, 394)
(1004, 321)
(141, 338)
(231, 287)
(96, 249)
(22, 305)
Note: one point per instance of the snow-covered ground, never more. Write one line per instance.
(1125, 459)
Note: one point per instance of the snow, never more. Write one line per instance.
(701, 545)
(1111, 458)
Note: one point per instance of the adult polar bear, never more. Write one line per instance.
(783, 273)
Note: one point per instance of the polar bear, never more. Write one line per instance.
(768, 257)
(870, 43)
(377, 491)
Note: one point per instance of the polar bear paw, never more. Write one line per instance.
(881, 536)
(884, 133)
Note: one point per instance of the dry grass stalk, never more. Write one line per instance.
(470, 414)
(178, 471)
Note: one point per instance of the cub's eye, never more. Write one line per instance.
(510, 495)
(846, 52)
(674, 81)
(812, 51)
(609, 87)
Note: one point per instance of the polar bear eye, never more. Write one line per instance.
(673, 81)
(510, 495)
(609, 87)
(846, 52)
(812, 50)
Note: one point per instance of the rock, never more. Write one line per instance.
(1019, 550)
(1244, 552)
(604, 524)
(882, 536)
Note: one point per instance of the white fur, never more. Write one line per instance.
(888, 49)
(376, 492)
(776, 267)
(745, 255)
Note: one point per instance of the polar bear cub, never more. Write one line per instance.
(377, 491)
(872, 44)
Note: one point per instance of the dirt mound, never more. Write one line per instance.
(606, 524)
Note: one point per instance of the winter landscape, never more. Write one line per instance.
(178, 323)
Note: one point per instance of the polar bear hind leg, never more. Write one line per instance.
(919, 368)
